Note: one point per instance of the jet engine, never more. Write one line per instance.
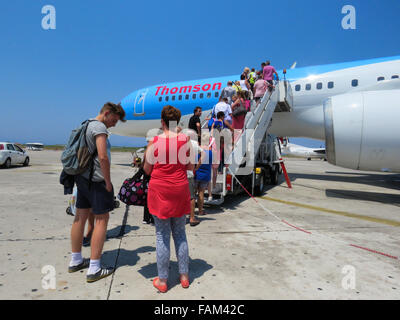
(362, 130)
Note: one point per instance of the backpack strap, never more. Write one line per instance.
(138, 174)
(94, 154)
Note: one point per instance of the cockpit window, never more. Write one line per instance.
(381, 78)
(395, 76)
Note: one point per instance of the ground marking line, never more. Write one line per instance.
(308, 232)
(337, 212)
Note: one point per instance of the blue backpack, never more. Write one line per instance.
(76, 157)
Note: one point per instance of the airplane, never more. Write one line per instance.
(353, 106)
(291, 149)
(35, 146)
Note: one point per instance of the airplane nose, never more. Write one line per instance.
(127, 104)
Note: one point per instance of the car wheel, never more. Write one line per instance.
(260, 187)
(7, 164)
(26, 162)
(274, 172)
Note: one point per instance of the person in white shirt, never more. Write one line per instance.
(190, 175)
(223, 106)
(244, 83)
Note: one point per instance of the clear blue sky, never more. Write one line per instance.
(101, 51)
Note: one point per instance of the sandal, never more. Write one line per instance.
(185, 283)
(162, 288)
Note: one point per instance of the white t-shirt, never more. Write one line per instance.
(95, 128)
(243, 85)
(225, 108)
(197, 150)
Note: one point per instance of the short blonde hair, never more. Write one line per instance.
(114, 109)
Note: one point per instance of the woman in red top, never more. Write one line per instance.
(168, 196)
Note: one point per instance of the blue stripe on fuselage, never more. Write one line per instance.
(153, 107)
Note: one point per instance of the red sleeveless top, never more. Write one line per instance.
(169, 195)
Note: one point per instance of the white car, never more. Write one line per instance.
(11, 154)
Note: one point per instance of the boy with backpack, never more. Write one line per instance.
(95, 190)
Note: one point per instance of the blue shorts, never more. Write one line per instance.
(97, 197)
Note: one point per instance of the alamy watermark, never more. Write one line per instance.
(49, 20)
(349, 280)
(349, 20)
(49, 278)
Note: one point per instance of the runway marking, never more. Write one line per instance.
(341, 213)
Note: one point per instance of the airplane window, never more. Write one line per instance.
(395, 77)
(319, 85)
(187, 97)
(216, 94)
(166, 98)
(297, 87)
(330, 84)
(381, 78)
(160, 99)
(180, 97)
(173, 98)
(201, 95)
(194, 96)
(354, 83)
(308, 86)
(209, 95)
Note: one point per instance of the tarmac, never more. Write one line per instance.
(333, 235)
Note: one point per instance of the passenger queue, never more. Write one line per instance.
(177, 169)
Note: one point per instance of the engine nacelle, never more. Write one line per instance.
(362, 130)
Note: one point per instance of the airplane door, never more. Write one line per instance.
(138, 109)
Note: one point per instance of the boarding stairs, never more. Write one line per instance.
(247, 145)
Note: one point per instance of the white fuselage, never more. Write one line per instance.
(307, 118)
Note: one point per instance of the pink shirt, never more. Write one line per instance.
(268, 72)
(260, 87)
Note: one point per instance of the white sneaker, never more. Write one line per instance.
(210, 198)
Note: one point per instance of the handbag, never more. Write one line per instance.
(134, 190)
(239, 110)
